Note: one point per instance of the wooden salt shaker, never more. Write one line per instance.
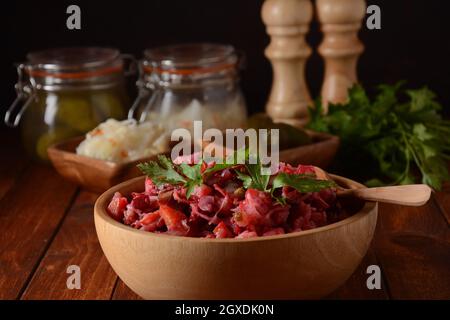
(287, 22)
(340, 22)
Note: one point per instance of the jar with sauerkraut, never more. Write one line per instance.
(66, 92)
(183, 83)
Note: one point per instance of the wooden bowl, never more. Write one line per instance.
(99, 175)
(93, 174)
(303, 265)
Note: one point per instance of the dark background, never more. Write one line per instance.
(412, 45)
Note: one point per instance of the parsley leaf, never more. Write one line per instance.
(303, 183)
(161, 171)
(246, 179)
(259, 180)
(195, 176)
(255, 179)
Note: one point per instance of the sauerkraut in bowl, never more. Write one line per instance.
(124, 141)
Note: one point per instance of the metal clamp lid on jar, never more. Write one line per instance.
(67, 69)
(185, 66)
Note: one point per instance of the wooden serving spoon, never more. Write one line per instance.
(406, 195)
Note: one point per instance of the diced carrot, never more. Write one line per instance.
(175, 220)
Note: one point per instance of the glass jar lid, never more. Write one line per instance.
(73, 58)
(185, 59)
(189, 65)
(74, 63)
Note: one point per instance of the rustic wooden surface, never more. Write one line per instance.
(46, 224)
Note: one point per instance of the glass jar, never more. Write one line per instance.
(182, 83)
(63, 93)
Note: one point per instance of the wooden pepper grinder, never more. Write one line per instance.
(287, 22)
(340, 22)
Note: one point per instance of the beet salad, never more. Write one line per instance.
(227, 200)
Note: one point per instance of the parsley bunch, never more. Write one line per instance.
(395, 138)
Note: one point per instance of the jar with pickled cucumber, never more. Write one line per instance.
(64, 93)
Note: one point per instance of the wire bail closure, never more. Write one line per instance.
(25, 92)
(131, 68)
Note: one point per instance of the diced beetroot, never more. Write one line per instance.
(151, 217)
(151, 221)
(328, 196)
(236, 229)
(300, 169)
(165, 197)
(130, 215)
(202, 190)
(254, 208)
(179, 195)
(278, 215)
(208, 235)
(291, 195)
(225, 204)
(247, 234)
(150, 187)
(298, 214)
(274, 232)
(220, 190)
(144, 202)
(319, 218)
(206, 203)
(222, 231)
(204, 166)
(117, 206)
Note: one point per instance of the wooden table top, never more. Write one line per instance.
(46, 224)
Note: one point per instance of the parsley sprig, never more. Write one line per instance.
(161, 171)
(389, 138)
(164, 171)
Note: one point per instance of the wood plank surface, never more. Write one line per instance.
(356, 287)
(122, 292)
(44, 228)
(75, 244)
(13, 162)
(442, 199)
(30, 213)
(413, 247)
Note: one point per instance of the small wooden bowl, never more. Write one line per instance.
(303, 265)
(99, 175)
(93, 174)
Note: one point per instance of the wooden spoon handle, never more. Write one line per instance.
(407, 195)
